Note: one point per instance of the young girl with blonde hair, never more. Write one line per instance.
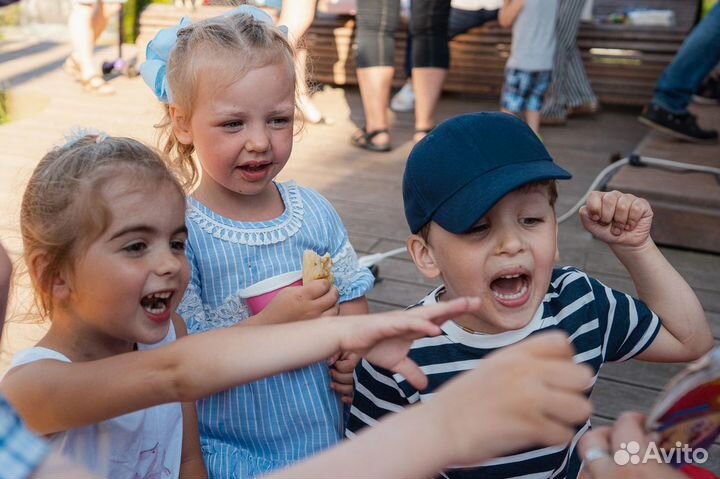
(103, 227)
(229, 88)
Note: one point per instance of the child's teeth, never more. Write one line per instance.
(517, 295)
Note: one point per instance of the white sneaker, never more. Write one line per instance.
(404, 100)
(309, 110)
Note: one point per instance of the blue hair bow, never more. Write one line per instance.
(154, 70)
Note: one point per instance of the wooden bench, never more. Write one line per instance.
(623, 61)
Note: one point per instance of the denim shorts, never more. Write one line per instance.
(524, 90)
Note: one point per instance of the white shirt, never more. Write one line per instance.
(145, 444)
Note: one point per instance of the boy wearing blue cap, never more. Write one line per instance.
(479, 194)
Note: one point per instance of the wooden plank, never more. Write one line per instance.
(686, 206)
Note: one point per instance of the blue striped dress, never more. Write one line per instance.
(602, 324)
(271, 423)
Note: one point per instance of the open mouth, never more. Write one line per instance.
(254, 168)
(157, 304)
(511, 289)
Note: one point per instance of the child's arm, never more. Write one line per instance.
(354, 307)
(192, 465)
(509, 12)
(623, 221)
(536, 401)
(55, 396)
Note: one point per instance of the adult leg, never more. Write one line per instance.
(696, 58)
(86, 23)
(82, 38)
(570, 85)
(297, 16)
(377, 21)
(460, 21)
(431, 59)
(404, 100)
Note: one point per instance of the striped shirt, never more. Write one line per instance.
(603, 325)
(21, 451)
(276, 421)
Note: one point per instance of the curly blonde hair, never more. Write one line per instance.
(247, 44)
(62, 210)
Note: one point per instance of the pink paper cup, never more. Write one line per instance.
(259, 295)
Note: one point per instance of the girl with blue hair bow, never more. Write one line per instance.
(229, 86)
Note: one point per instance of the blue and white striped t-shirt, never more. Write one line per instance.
(274, 422)
(603, 325)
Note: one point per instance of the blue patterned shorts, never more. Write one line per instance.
(524, 90)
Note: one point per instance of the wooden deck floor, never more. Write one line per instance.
(364, 187)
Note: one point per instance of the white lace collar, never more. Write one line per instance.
(252, 233)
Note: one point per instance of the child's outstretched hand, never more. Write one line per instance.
(309, 301)
(526, 395)
(384, 339)
(617, 218)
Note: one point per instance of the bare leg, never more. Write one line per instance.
(82, 39)
(297, 16)
(427, 83)
(533, 120)
(375, 84)
(87, 23)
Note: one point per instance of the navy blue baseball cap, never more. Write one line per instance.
(457, 173)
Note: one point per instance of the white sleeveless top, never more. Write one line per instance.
(145, 444)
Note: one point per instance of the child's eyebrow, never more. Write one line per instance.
(145, 229)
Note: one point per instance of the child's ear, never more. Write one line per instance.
(59, 289)
(422, 256)
(180, 125)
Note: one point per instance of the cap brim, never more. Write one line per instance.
(460, 213)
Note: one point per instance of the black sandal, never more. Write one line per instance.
(365, 140)
(422, 131)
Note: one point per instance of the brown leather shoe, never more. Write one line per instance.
(583, 109)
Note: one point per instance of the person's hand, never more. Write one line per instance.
(298, 303)
(617, 218)
(530, 394)
(597, 448)
(341, 373)
(384, 339)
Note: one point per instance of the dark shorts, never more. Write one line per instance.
(524, 90)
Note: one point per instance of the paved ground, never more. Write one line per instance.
(364, 187)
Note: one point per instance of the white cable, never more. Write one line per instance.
(676, 166)
(372, 259)
(598, 179)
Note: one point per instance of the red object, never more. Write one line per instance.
(697, 472)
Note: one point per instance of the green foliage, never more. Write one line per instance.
(9, 16)
(4, 113)
(133, 9)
